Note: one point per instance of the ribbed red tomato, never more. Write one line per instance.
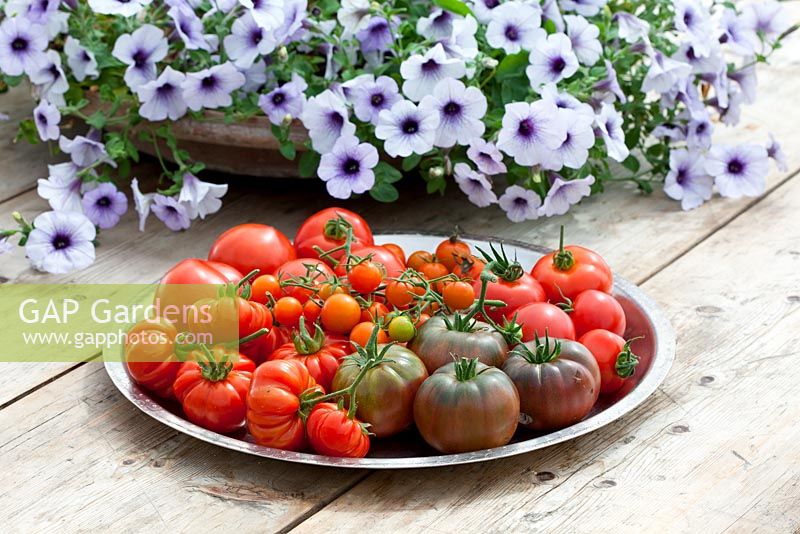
(327, 230)
(252, 246)
(320, 358)
(332, 433)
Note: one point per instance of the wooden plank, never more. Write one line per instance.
(715, 448)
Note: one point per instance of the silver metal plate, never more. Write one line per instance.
(656, 351)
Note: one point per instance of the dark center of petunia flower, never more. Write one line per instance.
(512, 33)
(735, 166)
(209, 82)
(53, 70)
(256, 36)
(491, 4)
(140, 58)
(104, 202)
(165, 89)
(557, 64)
(567, 139)
(278, 98)
(41, 118)
(526, 128)
(452, 108)
(19, 44)
(687, 19)
(336, 120)
(185, 27)
(61, 241)
(681, 176)
(378, 28)
(430, 66)
(85, 56)
(690, 55)
(351, 166)
(410, 126)
(700, 128)
(377, 100)
(520, 202)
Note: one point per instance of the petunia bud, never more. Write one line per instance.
(283, 54)
(489, 62)
(287, 119)
(375, 6)
(436, 172)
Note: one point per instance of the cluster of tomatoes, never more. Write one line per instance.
(344, 340)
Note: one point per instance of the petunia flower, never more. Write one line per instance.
(462, 43)
(353, 15)
(200, 198)
(563, 100)
(574, 151)
(142, 201)
(609, 122)
(288, 99)
(326, 118)
(370, 98)
(776, 154)
(531, 132)
(436, 26)
(211, 88)
(687, 179)
(767, 18)
(551, 12)
(268, 14)
(693, 20)
(46, 117)
(631, 28)
(347, 168)
(172, 213)
(737, 33)
(482, 9)
(62, 188)
(552, 60)
(515, 26)
(520, 204)
(123, 8)
(564, 193)
(587, 8)
(104, 205)
(711, 62)
(49, 78)
(255, 76)
(747, 81)
(247, 41)
(377, 35)
(460, 111)
(81, 61)
(486, 156)
(475, 185)
(189, 27)
(664, 73)
(294, 13)
(163, 97)
(85, 150)
(406, 130)
(610, 85)
(739, 170)
(141, 50)
(422, 72)
(698, 132)
(584, 38)
(61, 242)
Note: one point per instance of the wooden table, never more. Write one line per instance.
(716, 448)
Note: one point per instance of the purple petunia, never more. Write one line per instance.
(552, 60)
(377, 35)
(49, 78)
(211, 88)
(531, 132)
(584, 38)
(162, 98)
(123, 8)
(609, 86)
(737, 33)
(268, 14)
(574, 151)
(739, 170)
(520, 204)
(587, 8)
(200, 198)
(347, 168)
(664, 73)
(46, 117)
(475, 185)
(247, 41)
(104, 205)
(61, 242)
(609, 123)
(85, 150)
(687, 179)
(460, 111)
(776, 154)
(436, 26)
(62, 188)
(283, 101)
(486, 156)
(565, 193)
(326, 118)
(80, 60)
(171, 212)
(372, 97)
(141, 50)
(482, 9)
(422, 72)
(189, 27)
(406, 130)
(22, 46)
(514, 26)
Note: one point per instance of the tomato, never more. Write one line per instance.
(614, 357)
(332, 433)
(375, 312)
(326, 289)
(593, 309)
(227, 311)
(273, 404)
(287, 311)
(397, 250)
(391, 266)
(262, 347)
(266, 284)
(150, 356)
(458, 295)
(320, 358)
(311, 311)
(385, 396)
(436, 344)
(572, 270)
(466, 406)
(309, 272)
(360, 333)
(252, 246)
(542, 318)
(402, 329)
(212, 389)
(558, 382)
(326, 229)
(451, 250)
(401, 294)
(419, 258)
(365, 277)
(513, 286)
(340, 313)
(421, 320)
(469, 268)
(434, 269)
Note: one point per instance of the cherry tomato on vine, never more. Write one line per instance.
(287, 311)
(418, 259)
(593, 309)
(332, 433)
(252, 246)
(458, 295)
(397, 250)
(365, 277)
(451, 250)
(340, 313)
(571, 270)
(514, 287)
(375, 312)
(402, 329)
(469, 268)
(382, 256)
(309, 272)
(311, 311)
(266, 284)
(543, 317)
(434, 270)
(327, 229)
(360, 333)
(400, 293)
(326, 289)
(614, 357)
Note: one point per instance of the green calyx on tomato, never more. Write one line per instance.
(626, 360)
(466, 368)
(542, 352)
(500, 265)
(563, 260)
(212, 369)
(306, 344)
(337, 228)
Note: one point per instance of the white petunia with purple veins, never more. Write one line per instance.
(698, 132)
(377, 35)
(61, 242)
(326, 118)
(776, 154)
(532, 132)
(200, 198)
(609, 122)
(47, 117)
(189, 27)
(565, 193)
(141, 50)
(515, 26)
(739, 170)
(482, 9)
(436, 26)
(687, 179)
(172, 213)
(587, 8)
(211, 88)
(520, 204)
(631, 28)
(486, 156)
(283, 101)
(22, 46)
(163, 97)
(347, 168)
(585, 39)
(142, 202)
(767, 18)
(422, 72)
(123, 8)
(664, 73)
(62, 188)
(475, 185)
(247, 41)
(104, 205)
(563, 100)
(85, 150)
(552, 60)
(81, 60)
(608, 89)
(462, 43)
(460, 111)
(693, 20)
(574, 151)
(49, 78)
(268, 14)
(737, 33)
(372, 97)
(406, 130)
(353, 15)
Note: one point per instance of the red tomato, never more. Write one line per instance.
(515, 294)
(273, 403)
(375, 312)
(469, 268)
(252, 246)
(320, 358)
(572, 270)
(311, 311)
(262, 347)
(150, 356)
(264, 285)
(614, 357)
(451, 251)
(593, 309)
(434, 269)
(324, 230)
(332, 433)
(287, 311)
(401, 293)
(458, 295)
(392, 267)
(418, 259)
(307, 271)
(541, 317)
(361, 333)
(340, 313)
(397, 250)
(213, 394)
(365, 277)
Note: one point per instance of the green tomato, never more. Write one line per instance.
(401, 329)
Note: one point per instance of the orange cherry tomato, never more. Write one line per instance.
(469, 268)
(287, 311)
(326, 289)
(397, 251)
(311, 311)
(434, 269)
(418, 259)
(365, 277)
(451, 250)
(340, 313)
(360, 333)
(375, 312)
(400, 293)
(458, 295)
(263, 285)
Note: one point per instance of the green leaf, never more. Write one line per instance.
(512, 65)
(288, 150)
(549, 26)
(436, 185)
(411, 162)
(456, 6)
(386, 173)
(384, 192)
(631, 163)
(27, 131)
(309, 161)
(97, 120)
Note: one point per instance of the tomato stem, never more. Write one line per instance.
(213, 370)
(542, 352)
(563, 260)
(627, 361)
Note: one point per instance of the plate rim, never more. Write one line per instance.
(663, 358)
